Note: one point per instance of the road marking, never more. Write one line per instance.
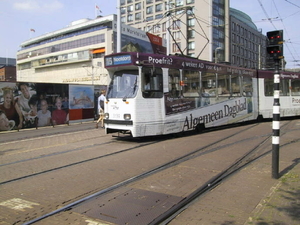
(18, 204)
(91, 222)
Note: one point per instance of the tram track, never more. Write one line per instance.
(242, 162)
(167, 165)
(70, 164)
(82, 161)
(166, 218)
(198, 152)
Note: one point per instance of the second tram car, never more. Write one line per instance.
(158, 94)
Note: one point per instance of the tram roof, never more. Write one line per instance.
(172, 61)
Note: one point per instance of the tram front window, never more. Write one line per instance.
(123, 85)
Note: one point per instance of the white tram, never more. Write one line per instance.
(158, 94)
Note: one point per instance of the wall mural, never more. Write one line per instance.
(32, 105)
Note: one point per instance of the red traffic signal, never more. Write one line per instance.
(275, 51)
(275, 37)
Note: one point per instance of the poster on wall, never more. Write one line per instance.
(81, 102)
(18, 105)
(81, 97)
(32, 105)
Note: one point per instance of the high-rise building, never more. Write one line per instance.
(194, 28)
(201, 29)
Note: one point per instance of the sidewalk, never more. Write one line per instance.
(282, 204)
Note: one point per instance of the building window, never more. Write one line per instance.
(129, 18)
(149, 10)
(130, 8)
(179, 3)
(159, 7)
(149, 1)
(149, 18)
(138, 6)
(129, 1)
(191, 45)
(138, 16)
(190, 1)
(191, 22)
(123, 10)
(122, 2)
(159, 16)
(164, 26)
(176, 24)
(177, 35)
(156, 28)
(191, 34)
(176, 47)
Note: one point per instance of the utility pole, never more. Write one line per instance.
(275, 51)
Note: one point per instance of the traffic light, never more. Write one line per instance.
(275, 44)
(275, 51)
(275, 37)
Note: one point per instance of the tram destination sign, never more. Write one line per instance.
(118, 60)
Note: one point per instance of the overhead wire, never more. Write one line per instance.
(266, 14)
(285, 32)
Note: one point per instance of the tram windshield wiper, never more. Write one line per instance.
(128, 91)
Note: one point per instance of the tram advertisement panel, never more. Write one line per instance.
(177, 105)
(231, 111)
(32, 105)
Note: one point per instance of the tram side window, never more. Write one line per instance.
(247, 86)
(223, 86)
(235, 86)
(191, 83)
(152, 83)
(284, 87)
(209, 85)
(295, 87)
(269, 87)
(174, 88)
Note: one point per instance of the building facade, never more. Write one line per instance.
(193, 28)
(8, 73)
(70, 55)
(75, 54)
(247, 43)
(208, 30)
(8, 69)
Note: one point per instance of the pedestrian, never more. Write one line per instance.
(101, 100)
(101, 117)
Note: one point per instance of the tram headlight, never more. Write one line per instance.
(127, 116)
(106, 116)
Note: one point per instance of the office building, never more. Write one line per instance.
(70, 55)
(75, 54)
(247, 43)
(202, 29)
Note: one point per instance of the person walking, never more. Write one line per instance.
(101, 117)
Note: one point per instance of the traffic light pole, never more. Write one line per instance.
(276, 122)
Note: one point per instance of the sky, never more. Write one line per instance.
(21, 20)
